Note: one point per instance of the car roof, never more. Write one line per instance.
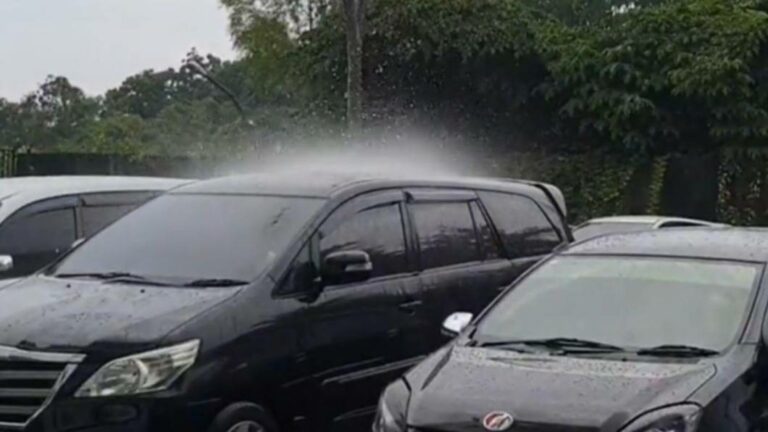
(18, 191)
(326, 185)
(726, 243)
(646, 220)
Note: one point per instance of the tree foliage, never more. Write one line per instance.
(627, 76)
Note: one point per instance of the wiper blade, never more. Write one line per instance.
(118, 277)
(95, 275)
(212, 283)
(560, 343)
(677, 351)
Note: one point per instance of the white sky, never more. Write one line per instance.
(98, 43)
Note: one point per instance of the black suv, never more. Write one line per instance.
(244, 303)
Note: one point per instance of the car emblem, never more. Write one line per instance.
(498, 421)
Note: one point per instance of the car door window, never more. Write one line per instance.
(446, 233)
(300, 275)
(376, 230)
(96, 218)
(524, 228)
(488, 245)
(100, 210)
(50, 231)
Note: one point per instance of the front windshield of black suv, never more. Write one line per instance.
(182, 238)
(629, 302)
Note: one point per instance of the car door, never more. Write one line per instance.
(38, 234)
(360, 336)
(460, 259)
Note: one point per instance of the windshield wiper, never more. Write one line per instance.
(213, 283)
(95, 275)
(564, 344)
(677, 351)
(119, 277)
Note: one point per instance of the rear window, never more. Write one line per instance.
(524, 228)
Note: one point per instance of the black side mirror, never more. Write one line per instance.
(346, 267)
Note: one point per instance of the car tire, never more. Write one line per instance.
(243, 417)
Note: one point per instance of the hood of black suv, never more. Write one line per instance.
(43, 313)
(543, 392)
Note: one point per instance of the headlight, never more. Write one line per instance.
(678, 418)
(141, 373)
(393, 406)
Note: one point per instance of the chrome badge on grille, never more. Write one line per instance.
(498, 421)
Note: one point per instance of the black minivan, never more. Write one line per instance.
(661, 331)
(257, 302)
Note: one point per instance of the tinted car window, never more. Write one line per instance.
(378, 231)
(488, 244)
(196, 236)
(301, 274)
(523, 226)
(96, 218)
(446, 234)
(51, 231)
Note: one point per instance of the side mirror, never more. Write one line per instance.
(456, 323)
(6, 263)
(347, 266)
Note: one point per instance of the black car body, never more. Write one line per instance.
(700, 301)
(252, 301)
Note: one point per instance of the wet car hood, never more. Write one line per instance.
(6, 282)
(42, 313)
(544, 392)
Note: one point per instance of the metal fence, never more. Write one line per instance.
(31, 164)
(7, 162)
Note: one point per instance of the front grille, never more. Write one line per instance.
(27, 381)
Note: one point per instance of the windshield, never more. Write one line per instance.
(590, 230)
(194, 237)
(629, 302)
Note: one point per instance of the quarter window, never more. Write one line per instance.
(523, 226)
(378, 231)
(446, 234)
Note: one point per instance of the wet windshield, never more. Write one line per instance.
(629, 302)
(187, 238)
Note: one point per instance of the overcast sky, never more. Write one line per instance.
(98, 43)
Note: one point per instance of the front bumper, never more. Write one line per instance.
(123, 415)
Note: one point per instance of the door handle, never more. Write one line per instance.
(410, 306)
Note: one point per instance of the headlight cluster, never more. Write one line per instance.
(141, 373)
(393, 407)
(678, 418)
